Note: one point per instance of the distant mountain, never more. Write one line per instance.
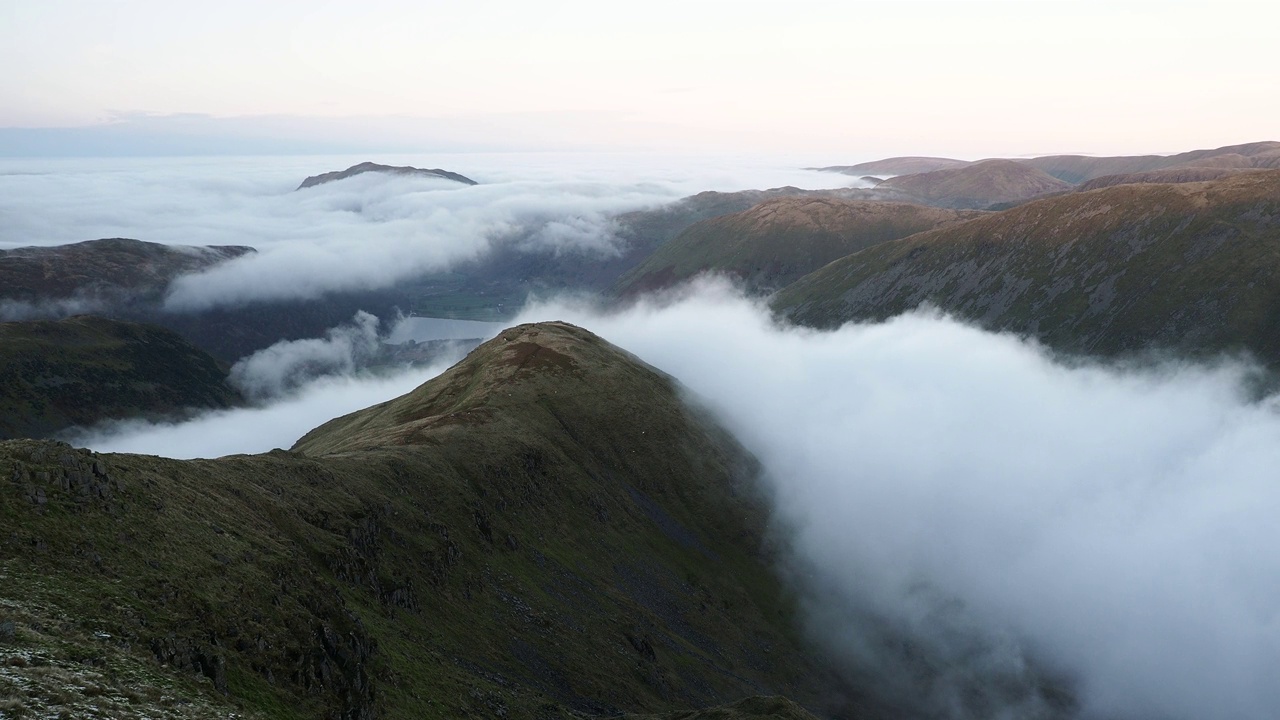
(977, 185)
(84, 369)
(1168, 175)
(897, 166)
(128, 279)
(365, 167)
(1076, 169)
(58, 280)
(545, 529)
(1193, 268)
(777, 241)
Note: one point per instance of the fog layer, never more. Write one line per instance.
(363, 233)
(1117, 527)
(255, 429)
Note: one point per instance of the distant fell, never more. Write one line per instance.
(36, 281)
(897, 166)
(1077, 169)
(365, 167)
(1190, 268)
(1168, 175)
(977, 185)
(779, 240)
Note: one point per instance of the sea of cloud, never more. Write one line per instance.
(1112, 527)
(366, 232)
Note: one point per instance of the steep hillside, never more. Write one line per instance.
(777, 241)
(978, 185)
(49, 281)
(366, 167)
(544, 529)
(1192, 267)
(85, 369)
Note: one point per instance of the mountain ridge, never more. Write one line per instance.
(776, 241)
(1188, 268)
(546, 530)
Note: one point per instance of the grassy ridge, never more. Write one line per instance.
(543, 530)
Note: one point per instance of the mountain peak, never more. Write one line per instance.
(540, 365)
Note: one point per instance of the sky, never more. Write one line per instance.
(843, 81)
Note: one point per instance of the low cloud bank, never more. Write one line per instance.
(258, 429)
(363, 233)
(1115, 527)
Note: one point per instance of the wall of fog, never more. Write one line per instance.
(1114, 528)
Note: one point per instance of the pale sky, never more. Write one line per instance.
(848, 79)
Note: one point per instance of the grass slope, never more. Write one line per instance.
(1191, 267)
(543, 530)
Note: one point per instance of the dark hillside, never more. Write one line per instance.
(84, 369)
(543, 530)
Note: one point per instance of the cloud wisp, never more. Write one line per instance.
(256, 429)
(289, 364)
(1113, 526)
